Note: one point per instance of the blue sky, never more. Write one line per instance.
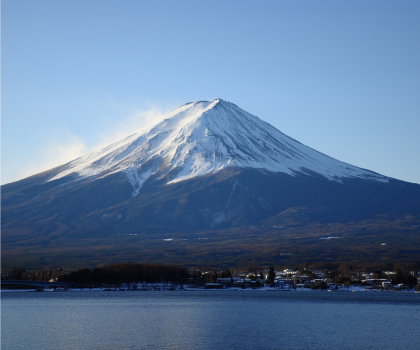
(340, 77)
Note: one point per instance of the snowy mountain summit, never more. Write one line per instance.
(204, 137)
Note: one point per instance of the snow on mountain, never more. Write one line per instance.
(204, 137)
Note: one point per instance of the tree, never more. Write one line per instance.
(17, 274)
(215, 276)
(323, 285)
(209, 277)
(271, 276)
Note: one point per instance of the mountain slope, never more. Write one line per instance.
(207, 166)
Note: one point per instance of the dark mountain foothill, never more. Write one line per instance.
(211, 184)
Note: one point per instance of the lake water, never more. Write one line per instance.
(210, 320)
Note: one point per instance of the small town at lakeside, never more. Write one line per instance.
(131, 277)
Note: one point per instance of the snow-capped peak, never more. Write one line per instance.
(204, 137)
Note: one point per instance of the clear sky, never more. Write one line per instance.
(342, 77)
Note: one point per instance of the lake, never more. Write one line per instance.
(210, 320)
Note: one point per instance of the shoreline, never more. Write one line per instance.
(160, 288)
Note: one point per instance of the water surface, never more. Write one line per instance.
(210, 320)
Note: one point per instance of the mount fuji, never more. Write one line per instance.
(202, 138)
(209, 165)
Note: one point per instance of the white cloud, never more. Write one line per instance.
(54, 155)
(71, 146)
(127, 126)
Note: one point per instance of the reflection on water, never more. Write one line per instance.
(210, 320)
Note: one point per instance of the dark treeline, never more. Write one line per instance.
(118, 274)
(44, 275)
(115, 274)
(127, 273)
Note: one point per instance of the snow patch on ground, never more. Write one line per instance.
(137, 180)
(233, 189)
